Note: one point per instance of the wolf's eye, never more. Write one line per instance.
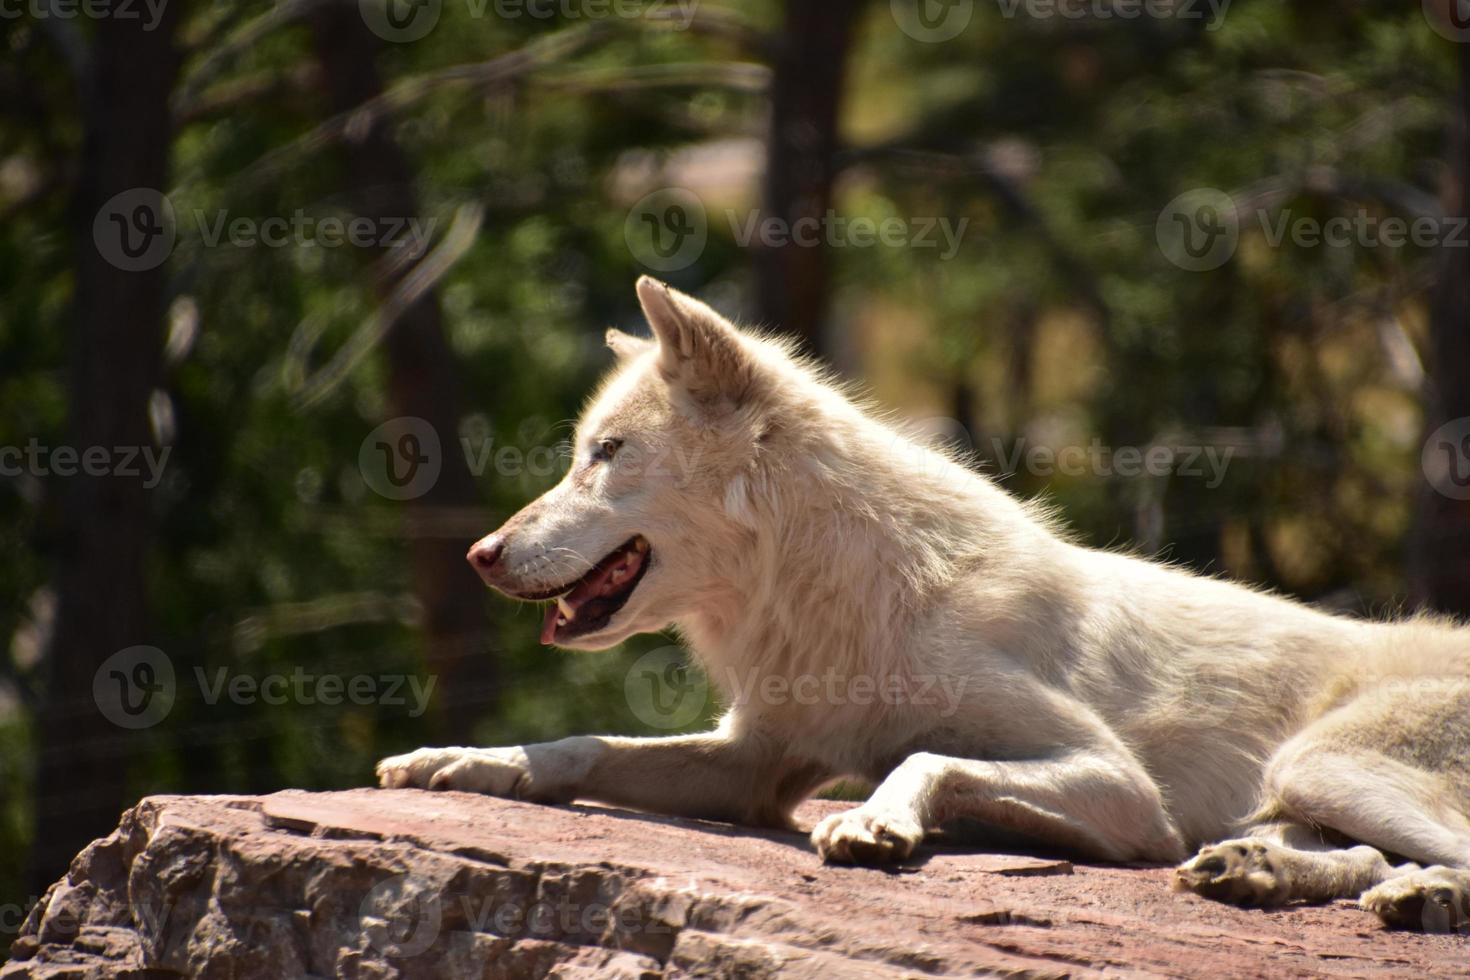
(606, 450)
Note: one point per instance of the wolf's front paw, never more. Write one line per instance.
(494, 772)
(1243, 872)
(1434, 900)
(862, 836)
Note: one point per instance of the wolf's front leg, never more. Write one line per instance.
(1089, 801)
(713, 776)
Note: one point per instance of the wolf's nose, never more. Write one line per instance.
(485, 554)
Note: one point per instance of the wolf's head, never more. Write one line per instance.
(630, 541)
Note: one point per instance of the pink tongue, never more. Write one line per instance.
(597, 583)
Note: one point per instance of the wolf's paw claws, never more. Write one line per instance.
(1241, 872)
(862, 837)
(495, 772)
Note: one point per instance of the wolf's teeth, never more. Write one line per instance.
(568, 611)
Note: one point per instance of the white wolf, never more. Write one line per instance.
(1109, 705)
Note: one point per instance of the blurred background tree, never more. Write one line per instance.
(527, 140)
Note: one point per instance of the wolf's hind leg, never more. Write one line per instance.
(1388, 770)
(1100, 805)
(1280, 863)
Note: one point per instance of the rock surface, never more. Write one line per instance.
(368, 884)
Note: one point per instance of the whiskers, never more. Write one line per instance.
(554, 566)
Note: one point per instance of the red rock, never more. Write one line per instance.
(371, 883)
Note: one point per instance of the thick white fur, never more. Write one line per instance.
(1116, 706)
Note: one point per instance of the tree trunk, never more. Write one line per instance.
(115, 356)
(793, 280)
(1440, 554)
(423, 383)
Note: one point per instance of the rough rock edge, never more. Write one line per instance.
(99, 921)
(300, 884)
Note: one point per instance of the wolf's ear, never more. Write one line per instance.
(625, 345)
(699, 350)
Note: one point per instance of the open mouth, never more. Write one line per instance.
(589, 604)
